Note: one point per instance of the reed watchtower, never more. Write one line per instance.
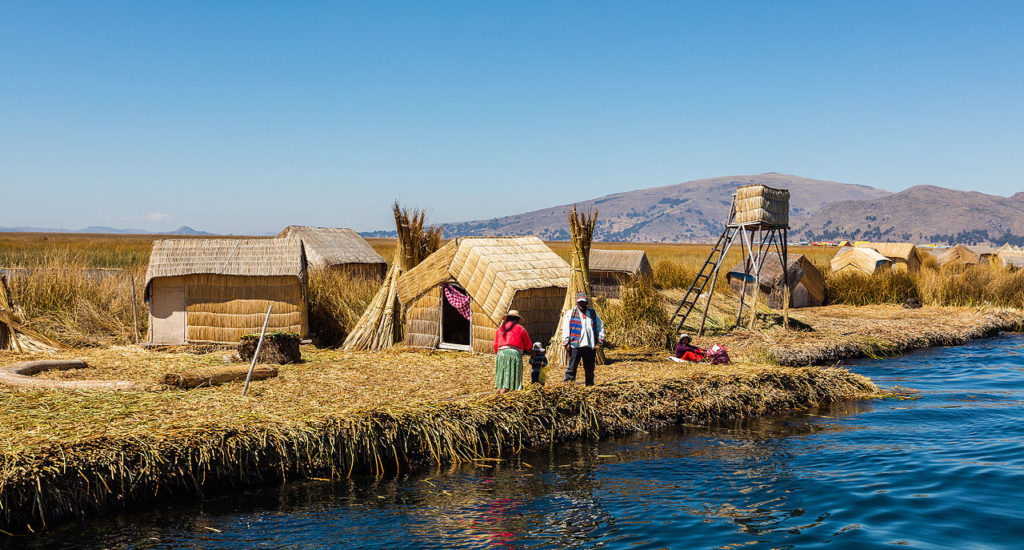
(759, 220)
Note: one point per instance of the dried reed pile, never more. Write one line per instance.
(581, 227)
(14, 335)
(212, 376)
(639, 318)
(380, 325)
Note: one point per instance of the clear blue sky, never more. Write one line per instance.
(244, 117)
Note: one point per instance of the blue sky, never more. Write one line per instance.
(244, 117)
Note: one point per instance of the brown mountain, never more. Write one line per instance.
(693, 211)
(922, 214)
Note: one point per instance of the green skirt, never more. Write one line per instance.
(508, 369)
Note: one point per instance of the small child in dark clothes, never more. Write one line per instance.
(537, 362)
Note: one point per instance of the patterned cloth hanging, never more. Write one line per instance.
(458, 300)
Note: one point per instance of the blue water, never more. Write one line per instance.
(945, 470)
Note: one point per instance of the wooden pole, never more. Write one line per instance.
(259, 344)
(135, 319)
(785, 277)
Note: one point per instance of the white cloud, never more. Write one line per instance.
(158, 217)
(150, 217)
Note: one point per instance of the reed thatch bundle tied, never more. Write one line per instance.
(14, 335)
(278, 347)
(212, 376)
(581, 228)
(377, 329)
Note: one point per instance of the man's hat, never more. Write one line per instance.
(581, 297)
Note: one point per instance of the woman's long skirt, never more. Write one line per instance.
(508, 369)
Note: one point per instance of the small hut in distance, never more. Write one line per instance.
(959, 255)
(610, 269)
(456, 297)
(860, 260)
(903, 255)
(218, 290)
(806, 283)
(338, 249)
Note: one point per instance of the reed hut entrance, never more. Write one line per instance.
(456, 318)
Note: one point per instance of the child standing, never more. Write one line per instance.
(537, 363)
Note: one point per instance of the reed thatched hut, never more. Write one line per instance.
(610, 269)
(1010, 256)
(806, 283)
(903, 255)
(959, 255)
(218, 290)
(456, 297)
(860, 259)
(338, 249)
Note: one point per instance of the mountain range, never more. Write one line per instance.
(183, 230)
(695, 211)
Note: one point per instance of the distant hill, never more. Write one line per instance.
(922, 214)
(693, 211)
(183, 230)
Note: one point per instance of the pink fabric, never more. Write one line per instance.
(458, 300)
(516, 337)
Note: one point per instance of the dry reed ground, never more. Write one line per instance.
(68, 454)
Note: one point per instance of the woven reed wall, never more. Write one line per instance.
(607, 284)
(540, 308)
(223, 308)
(483, 330)
(374, 272)
(762, 204)
(422, 320)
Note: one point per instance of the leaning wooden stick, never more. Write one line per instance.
(248, 377)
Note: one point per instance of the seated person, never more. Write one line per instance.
(686, 352)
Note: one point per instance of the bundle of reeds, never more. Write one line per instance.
(377, 328)
(212, 376)
(14, 335)
(581, 228)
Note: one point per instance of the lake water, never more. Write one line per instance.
(945, 470)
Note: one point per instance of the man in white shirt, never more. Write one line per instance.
(582, 332)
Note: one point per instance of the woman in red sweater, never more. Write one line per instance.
(510, 341)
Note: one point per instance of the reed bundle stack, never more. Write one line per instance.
(581, 228)
(611, 269)
(338, 249)
(14, 335)
(760, 204)
(377, 328)
(218, 290)
(456, 298)
(212, 376)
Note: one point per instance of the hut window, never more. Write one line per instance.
(456, 312)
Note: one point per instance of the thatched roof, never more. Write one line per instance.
(327, 246)
(491, 270)
(866, 260)
(959, 254)
(800, 270)
(619, 261)
(252, 257)
(896, 251)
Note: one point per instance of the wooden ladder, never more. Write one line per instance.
(708, 273)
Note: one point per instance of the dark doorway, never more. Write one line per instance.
(456, 330)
